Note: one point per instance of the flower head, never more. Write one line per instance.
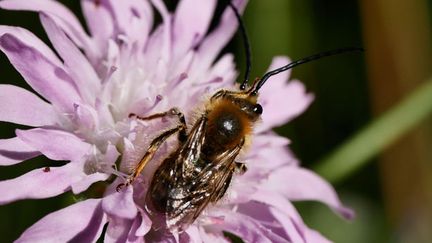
(127, 65)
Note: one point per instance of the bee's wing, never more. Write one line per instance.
(216, 177)
(191, 150)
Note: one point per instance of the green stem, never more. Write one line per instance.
(378, 135)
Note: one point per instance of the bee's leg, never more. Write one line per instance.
(240, 168)
(171, 112)
(154, 146)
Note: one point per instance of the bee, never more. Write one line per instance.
(199, 171)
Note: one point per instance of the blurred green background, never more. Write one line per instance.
(388, 177)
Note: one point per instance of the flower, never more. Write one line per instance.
(125, 65)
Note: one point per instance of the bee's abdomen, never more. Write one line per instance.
(169, 190)
(160, 185)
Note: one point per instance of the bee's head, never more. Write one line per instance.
(249, 106)
(245, 102)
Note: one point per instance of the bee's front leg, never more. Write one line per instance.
(154, 146)
(182, 135)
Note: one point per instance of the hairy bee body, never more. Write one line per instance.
(200, 170)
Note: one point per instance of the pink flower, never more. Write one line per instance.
(125, 65)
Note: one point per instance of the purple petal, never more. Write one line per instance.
(145, 225)
(111, 154)
(270, 151)
(133, 18)
(224, 68)
(313, 236)
(118, 230)
(278, 91)
(204, 236)
(55, 144)
(122, 212)
(267, 153)
(270, 158)
(41, 183)
(140, 226)
(80, 222)
(87, 181)
(120, 204)
(301, 184)
(87, 117)
(20, 106)
(31, 40)
(248, 228)
(193, 234)
(100, 23)
(191, 25)
(104, 113)
(216, 40)
(277, 221)
(284, 212)
(105, 163)
(64, 17)
(14, 150)
(132, 238)
(277, 201)
(76, 63)
(159, 44)
(48, 79)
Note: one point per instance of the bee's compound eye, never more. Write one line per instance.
(258, 109)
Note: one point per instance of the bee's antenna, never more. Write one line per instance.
(246, 45)
(302, 61)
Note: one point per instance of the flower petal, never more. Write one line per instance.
(145, 225)
(122, 212)
(120, 204)
(14, 150)
(191, 25)
(217, 39)
(64, 17)
(103, 163)
(31, 40)
(248, 228)
(313, 236)
(211, 236)
(87, 181)
(76, 64)
(118, 230)
(41, 183)
(48, 79)
(160, 42)
(55, 144)
(193, 234)
(278, 91)
(98, 18)
(301, 184)
(20, 106)
(275, 220)
(140, 226)
(87, 117)
(133, 18)
(132, 238)
(284, 212)
(270, 151)
(100, 23)
(80, 222)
